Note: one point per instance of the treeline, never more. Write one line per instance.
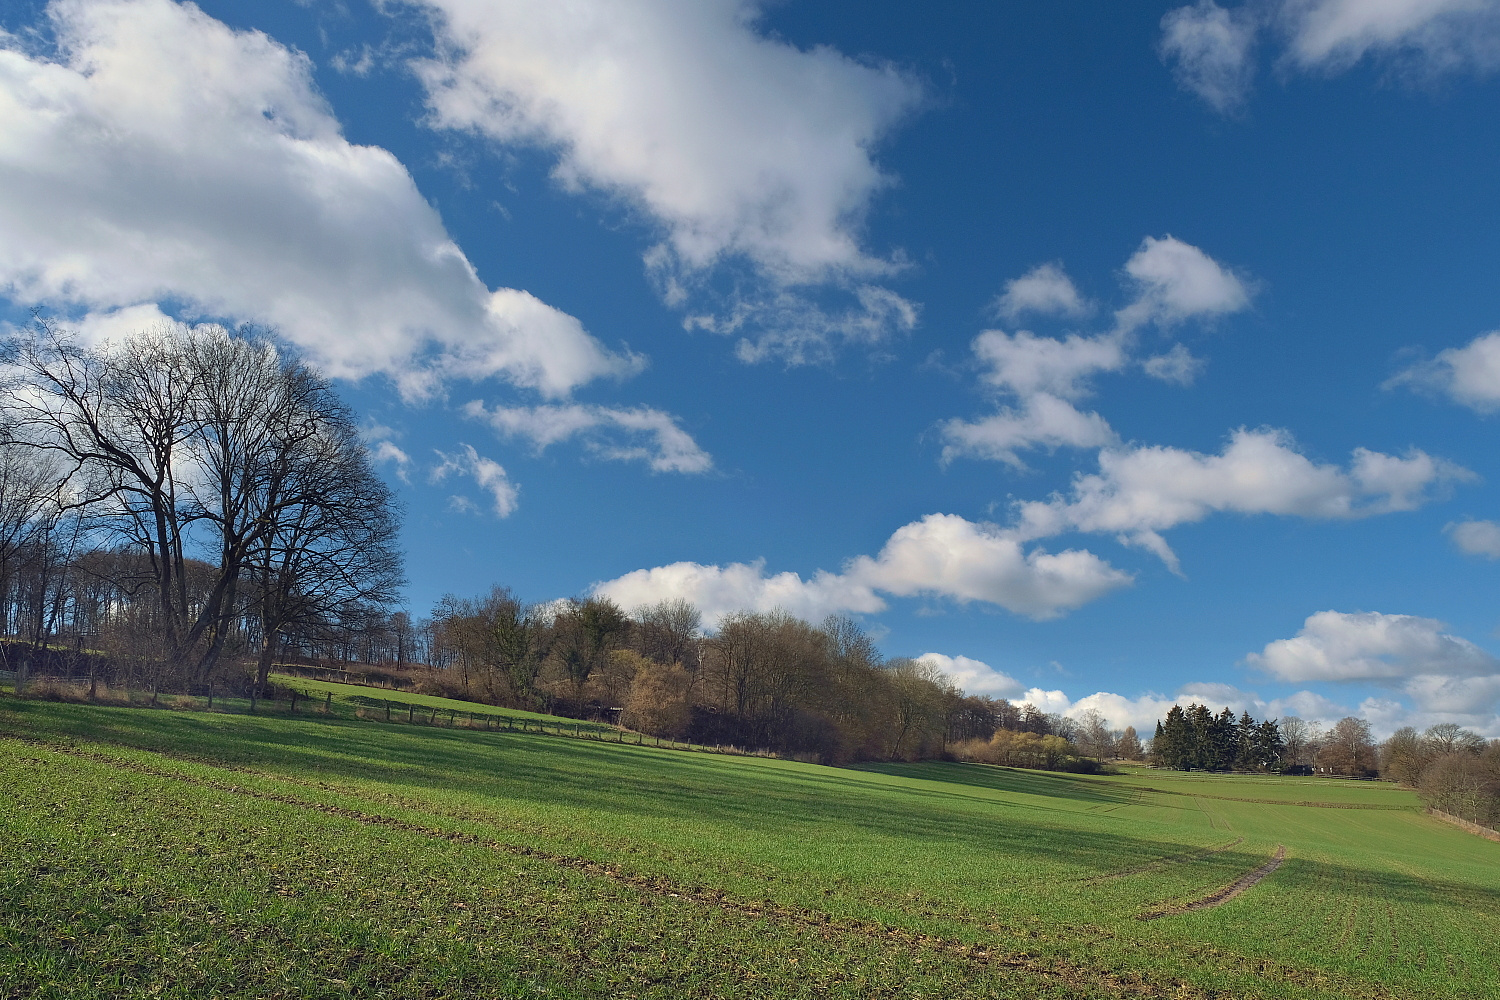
(1195, 738)
(1028, 737)
(765, 681)
(1454, 770)
(760, 681)
(180, 507)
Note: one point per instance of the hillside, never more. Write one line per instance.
(186, 854)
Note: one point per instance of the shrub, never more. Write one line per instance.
(658, 704)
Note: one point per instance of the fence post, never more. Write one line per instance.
(387, 710)
(294, 701)
(451, 715)
(411, 712)
(327, 704)
(432, 719)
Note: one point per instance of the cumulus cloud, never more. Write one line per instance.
(1445, 677)
(1143, 711)
(1039, 380)
(942, 555)
(1141, 491)
(1468, 375)
(1209, 49)
(1024, 364)
(1476, 538)
(1041, 421)
(946, 555)
(1046, 290)
(1363, 646)
(487, 474)
(1176, 281)
(1044, 374)
(973, 676)
(158, 155)
(723, 590)
(734, 145)
(638, 434)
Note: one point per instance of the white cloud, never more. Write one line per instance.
(1023, 363)
(387, 451)
(723, 590)
(948, 556)
(487, 475)
(1469, 375)
(1337, 646)
(796, 327)
(1039, 379)
(1143, 711)
(1177, 365)
(1176, 281)
(942, 555)
(377, 438)
(116, 324)
(159, 155)
(1047, 290)
(973, 676)
(1041, 421)
(1210, 48)
(1476, 538)
(1444, 677)
(1140, 491)
(1436, 35)
(1044, 374)
(733, 144)
(640, 434)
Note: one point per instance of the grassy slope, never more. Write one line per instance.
(622, 870)
(349, 698)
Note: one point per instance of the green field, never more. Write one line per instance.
(181, 854)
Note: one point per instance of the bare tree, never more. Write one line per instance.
(1295, 734)
(1349, 748)
(328, 546)
(1450, 737)
(179, 438)
(1093, 734)
(668, 632)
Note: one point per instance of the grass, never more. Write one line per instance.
(186, 854)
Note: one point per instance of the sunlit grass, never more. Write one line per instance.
(1049, 871)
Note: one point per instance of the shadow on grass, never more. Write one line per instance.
(793, 803)
(1052, 784)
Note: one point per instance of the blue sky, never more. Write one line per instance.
(1109, 354)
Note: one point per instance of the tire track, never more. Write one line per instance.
(1224, 895)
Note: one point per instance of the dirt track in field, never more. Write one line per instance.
(1225, 894)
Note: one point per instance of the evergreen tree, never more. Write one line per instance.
(1223, 742)
(1270, 746)
(1248, 754)
(1177, 740)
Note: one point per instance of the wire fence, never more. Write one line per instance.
(410, 713)
(1483, 831)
